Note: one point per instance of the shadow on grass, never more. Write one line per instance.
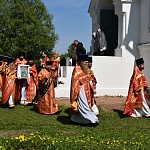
(68, 111)
(64, 119)
(120, 113)
(35, 108)
(6, 106)
(3, 105)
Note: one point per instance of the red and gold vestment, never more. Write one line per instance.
(47, 103)
(138, 84)
(79, 79)
(32, 84)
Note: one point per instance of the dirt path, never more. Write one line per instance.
(109, 103)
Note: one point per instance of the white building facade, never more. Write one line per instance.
(126, 24)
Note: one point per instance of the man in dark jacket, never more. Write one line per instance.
(79, 49)
(74, 54)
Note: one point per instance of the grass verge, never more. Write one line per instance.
(23, 128)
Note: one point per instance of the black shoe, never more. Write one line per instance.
(93, 124)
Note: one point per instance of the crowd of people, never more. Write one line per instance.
(39, 87)
(21, 83)
(31, 86)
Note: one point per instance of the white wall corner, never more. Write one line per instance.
(144, 48)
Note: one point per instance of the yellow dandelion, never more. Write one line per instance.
(16, 138)
(22, 137)
(40, 138)
(53, 142)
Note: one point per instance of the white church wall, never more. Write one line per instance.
(128, 60)
(107, 71)
(63, 90)
(144, 21)
(131, 28)
(110, 72)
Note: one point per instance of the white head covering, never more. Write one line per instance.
(94, 34)
(99, 30)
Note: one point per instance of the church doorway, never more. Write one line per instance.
(109, 24)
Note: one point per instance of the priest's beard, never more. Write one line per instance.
(84, 68)
(89, 67)
(21, 59)
(31, 64)
(48, 68)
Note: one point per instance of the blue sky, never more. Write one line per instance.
(72, 21)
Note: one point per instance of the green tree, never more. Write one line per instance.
(68, 54)
(26, 25)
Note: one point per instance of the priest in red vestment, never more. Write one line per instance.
(47, 103)
(1, 75)
(46, 58)
(80, 94)
(8, 89)
(136, 103)
(56, 66)
(20, 83)
(32, 82)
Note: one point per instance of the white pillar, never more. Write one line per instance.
(121, 33)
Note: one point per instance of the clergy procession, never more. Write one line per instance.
(21, 83)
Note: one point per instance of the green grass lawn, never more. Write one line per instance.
(23, 128)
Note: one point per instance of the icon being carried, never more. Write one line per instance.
(24, 73)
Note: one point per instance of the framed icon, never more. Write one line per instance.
(23, 71)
